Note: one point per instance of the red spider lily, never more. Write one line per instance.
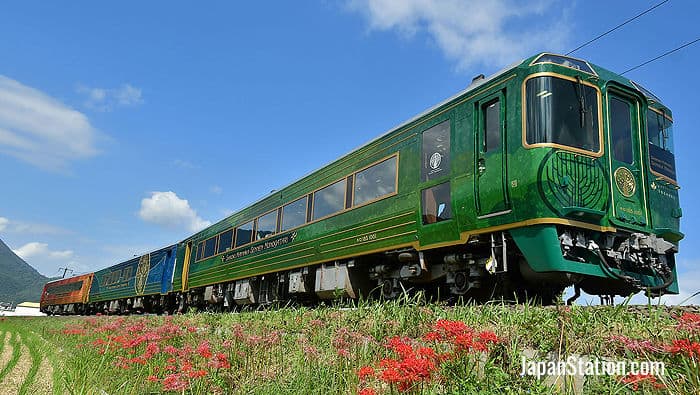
(152, 378)
(344, 353)
(170, 350)
(367, 391)
(638, 346)
(174, 382)
(74, 331)
(220, 361)
(197, 373)
(204, 350)
(364, 372)
(311, 352)
(689, 322)
(685, 346)
(400, 346)
(636, 379)
(151, 350)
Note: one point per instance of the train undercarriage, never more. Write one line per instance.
(489, 267)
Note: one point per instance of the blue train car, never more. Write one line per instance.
(139, 284)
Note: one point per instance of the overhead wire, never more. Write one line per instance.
(617, 27)
(661, 56)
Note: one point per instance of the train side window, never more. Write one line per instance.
(492, 125)
(436, 152)
(621, 130)
(200, 250)
(267, 225)
(127, 273)
(375, 181)
(225, 241)
(436, 204)
(329, 200)
(210, 247)
(244, 234)
(294, 214)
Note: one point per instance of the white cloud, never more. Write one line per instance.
(40, 130)
(21, 227)
(167, 209)
(41, 250)
(494, 32)
(102, 99)
(215, 189)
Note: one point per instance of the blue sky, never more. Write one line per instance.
(127, 126)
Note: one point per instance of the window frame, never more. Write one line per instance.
(601, 140)
(670, 119)
(313, 200)
(396, 182)
(277, 224)
(252, 234)
(426, 178)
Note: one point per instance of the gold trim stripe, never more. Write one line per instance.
(371, 241)
(367, 233)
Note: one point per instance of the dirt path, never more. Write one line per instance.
(13, 381)
(6, 350)
(44, 379)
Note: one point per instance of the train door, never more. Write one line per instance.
(625, 158)
(436, 190)
(186, 266)
(490, 157)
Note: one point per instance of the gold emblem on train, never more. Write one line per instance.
(142, 274)
(624, 179)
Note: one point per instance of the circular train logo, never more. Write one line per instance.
(624, 179)
(569, 180)
(435, 160)
(142, 274)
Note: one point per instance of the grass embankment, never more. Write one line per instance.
(374, 348)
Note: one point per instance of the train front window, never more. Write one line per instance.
(562, 112)
(660, 131)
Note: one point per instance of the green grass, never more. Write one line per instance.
(319, 351)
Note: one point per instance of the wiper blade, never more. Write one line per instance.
(581, 102)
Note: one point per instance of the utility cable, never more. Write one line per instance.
(661, 56)
(616, 27)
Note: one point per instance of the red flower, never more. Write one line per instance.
(152, 378)
(204, 350)
(367, 391)
(197, 373)
(488, 337)
(364, 372)
(685, 346)
(636, 379)
(689, 322)
(174, 382)
(220, 361)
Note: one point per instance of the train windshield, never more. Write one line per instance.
(660, 130)
(562, 112)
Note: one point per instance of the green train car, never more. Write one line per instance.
(553, 172)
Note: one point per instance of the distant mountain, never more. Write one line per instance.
(19, 282)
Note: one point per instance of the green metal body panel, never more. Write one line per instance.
(522, 190)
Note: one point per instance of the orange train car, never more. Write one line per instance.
(66, 296)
